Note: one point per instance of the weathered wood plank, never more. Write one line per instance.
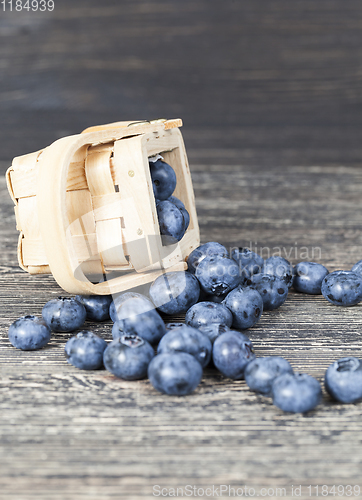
(256, 82)
(72, 435)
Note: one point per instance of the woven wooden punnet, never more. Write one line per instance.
(85, 207)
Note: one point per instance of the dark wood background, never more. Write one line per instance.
(270, 93)
(269, 82)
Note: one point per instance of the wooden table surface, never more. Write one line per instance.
(69, 434)
(271, 97)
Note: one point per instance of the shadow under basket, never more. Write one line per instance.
(86, 211)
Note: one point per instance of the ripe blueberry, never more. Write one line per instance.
(96, 306)
(64, 314)
(296, 392)
(182, 207)
(342, 288)
(171, 222)
(232, 351)
(343, 380)
(175, 292)
(128, 357)
(187, 339)
(273, 291)
(163, 179)
(85, 350)
(261, 372)
(205, 313)
(249, 262)
(218, 275)
(214, 330)
(357, 268)
(175, 373)
(279, 267)
(308, 277)
(29, 333)
(246, 306)
(206, 250)
(145, 304)
(132, 320)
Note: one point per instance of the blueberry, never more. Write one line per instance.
(176, 373)
(261, 372)
(29, 333)
(132, 320)
(342, 288)
(273, 291)
(64, 314)
(176, 201)
(171, 326)
(206, 250)
(163, 179)
(128, 357)
(85, 351)
(218, 275)
(246, 306)
(145, 304)
(279, 267)
(182, 207)
(343, 380)
(249, 262)
(205, 313)
(187, 339)
(171, 222)
(175, 292)
(357, 268)
(214, 330)
(208, 297)
(296, 392)
(96, 306)
(186, 217)
(308, 277)
(232, 351)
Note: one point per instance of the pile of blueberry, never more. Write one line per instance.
(220, 296)
(173, 218)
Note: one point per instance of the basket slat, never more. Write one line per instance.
(27, 218)
(100, 183)
(108, 206)
(80, 212)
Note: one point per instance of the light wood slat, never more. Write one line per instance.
(80, 212)
(108, 206)
(98, 172)
(24, 183)
(28, 217)
(135, 189)
(110, 243)
(110, 239)
(34, 253)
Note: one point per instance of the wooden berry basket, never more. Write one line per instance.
(84, 206)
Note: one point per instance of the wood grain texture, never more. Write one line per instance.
(258, 82)
(72, 435)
